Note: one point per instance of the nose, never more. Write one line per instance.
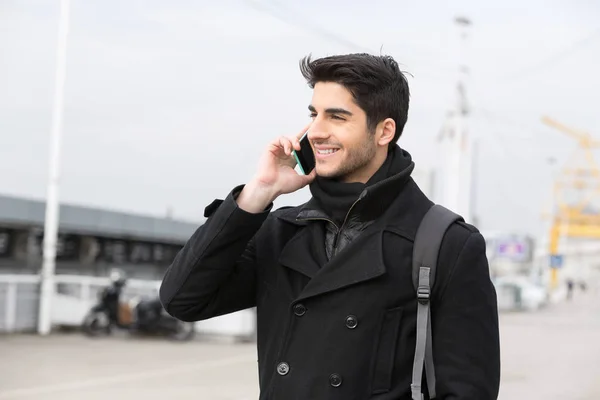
(317, 131)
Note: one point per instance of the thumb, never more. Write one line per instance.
(310, 177)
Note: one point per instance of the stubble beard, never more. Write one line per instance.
(356, 159)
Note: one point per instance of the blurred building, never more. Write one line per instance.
(91, 241)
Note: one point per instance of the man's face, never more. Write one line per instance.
(343, 146)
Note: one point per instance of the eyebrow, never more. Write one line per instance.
(332, 110)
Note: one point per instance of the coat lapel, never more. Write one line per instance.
(301, 253)
(361, 261)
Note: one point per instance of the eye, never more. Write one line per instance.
(337, 117)
(312, 115)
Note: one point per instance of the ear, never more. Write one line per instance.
(386, 130)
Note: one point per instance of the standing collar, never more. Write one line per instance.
(371, 202)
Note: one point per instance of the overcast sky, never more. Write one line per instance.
(168, 104)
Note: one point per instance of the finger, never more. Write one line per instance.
(296, 143)
(285, 145)
(303, 131)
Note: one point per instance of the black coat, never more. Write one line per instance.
(344, 328)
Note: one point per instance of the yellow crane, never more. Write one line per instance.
(575, 188)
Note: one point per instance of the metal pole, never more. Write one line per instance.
(457, 187)
(463, 148)
(471, 181)
(52, 204)
(454, 170)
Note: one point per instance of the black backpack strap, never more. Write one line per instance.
(428, 241)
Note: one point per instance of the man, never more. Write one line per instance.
(331, 279)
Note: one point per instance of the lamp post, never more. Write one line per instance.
(52, 203)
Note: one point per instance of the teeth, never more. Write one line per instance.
(328, 151)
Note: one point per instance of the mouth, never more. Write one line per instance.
(324, 153)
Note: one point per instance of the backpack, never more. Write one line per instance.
(428, 241)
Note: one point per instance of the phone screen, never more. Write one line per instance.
(305, 157)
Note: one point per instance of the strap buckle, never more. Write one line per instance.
(423, 293)
(416, 392)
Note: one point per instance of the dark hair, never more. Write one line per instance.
(376, 83)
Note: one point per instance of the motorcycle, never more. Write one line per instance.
(137, 316)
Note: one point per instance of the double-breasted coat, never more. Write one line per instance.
(342, 328)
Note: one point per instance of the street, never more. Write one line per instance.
(554, 353)
(546, 355)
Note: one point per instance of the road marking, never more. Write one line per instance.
(121, 378)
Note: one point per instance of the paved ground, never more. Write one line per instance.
(552, 354)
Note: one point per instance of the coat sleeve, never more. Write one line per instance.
(466, 343)
(215, 272)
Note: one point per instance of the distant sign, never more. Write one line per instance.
(514, 249)
(556, 261)
(118, 251)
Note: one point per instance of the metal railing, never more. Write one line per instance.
(75, 294)
(19, 298)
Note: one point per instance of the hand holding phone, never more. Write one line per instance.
(305, 157)
(276, 174)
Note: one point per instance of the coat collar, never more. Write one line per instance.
(363, 259)
(371, 203)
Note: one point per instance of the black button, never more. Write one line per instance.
(299, 310)
(335, 380)
(351, 321)
(283, 369)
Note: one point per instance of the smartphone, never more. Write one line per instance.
(305, 157)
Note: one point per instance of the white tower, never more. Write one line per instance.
(455, 145)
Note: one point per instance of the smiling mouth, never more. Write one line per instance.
(326, 152)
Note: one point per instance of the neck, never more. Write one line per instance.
(365, 173)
